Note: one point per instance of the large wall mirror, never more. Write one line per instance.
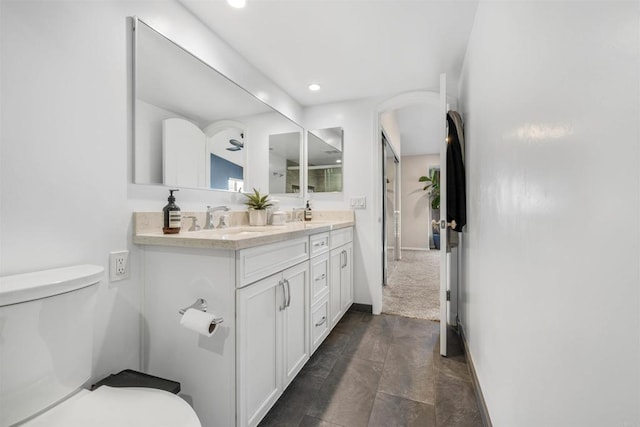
(324, 160)
(195, 128)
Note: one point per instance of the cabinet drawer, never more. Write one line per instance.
(319, 243)
(319, 277)
(341, 236)
(261, 261)
(319, 323)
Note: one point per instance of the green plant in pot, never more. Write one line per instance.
(257, 205)
(433, 187)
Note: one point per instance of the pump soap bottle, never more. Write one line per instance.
(172, 216)
(308, 215)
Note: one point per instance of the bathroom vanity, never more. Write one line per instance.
(280, 291)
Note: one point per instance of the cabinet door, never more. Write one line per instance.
(259, 347)
(346, 278)
(335, 263)
(295, 321)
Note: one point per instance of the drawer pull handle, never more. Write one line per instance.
(284, 296)
(320, 277)
(322, 243)
(288, 303)
(322, 321)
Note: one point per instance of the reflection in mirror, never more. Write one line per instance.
(193, 127)
(284, 163)
(225, 155)
(324, 160)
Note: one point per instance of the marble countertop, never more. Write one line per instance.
(148, 231)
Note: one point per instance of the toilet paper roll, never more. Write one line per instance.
(199, 321)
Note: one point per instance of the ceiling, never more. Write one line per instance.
(353, 48)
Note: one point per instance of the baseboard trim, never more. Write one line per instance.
(365, 308)
(482, 405)
(404, 248)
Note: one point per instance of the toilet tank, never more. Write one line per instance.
(46, 338)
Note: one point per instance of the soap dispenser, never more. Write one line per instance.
(172, 216)
(308, 215)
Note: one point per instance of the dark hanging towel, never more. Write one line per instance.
(456, 191)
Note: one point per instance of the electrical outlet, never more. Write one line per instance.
(118, 265)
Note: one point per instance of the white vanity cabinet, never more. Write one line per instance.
(341, 278)
(272, 339)
(279, 300)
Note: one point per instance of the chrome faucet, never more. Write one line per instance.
(296, 214)
(210, 210)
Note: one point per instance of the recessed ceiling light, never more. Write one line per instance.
(238, 4)
(314, 87)
(338, 161)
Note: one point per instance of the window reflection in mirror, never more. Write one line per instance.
(324, 160)
(284, 163)
(193, 127)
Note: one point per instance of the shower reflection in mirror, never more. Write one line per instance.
(324, 160)
(284, 163)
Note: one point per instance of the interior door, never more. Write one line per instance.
(444, 271)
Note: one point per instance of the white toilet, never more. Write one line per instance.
(46, 353)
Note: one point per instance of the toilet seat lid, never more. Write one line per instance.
(122, 407)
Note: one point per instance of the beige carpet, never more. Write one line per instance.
(414, 286)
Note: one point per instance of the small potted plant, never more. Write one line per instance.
(258, 205)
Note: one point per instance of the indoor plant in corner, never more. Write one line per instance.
(433, 188)
(258, 205)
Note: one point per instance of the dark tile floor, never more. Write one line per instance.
(380, 371)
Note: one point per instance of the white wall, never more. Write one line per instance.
(65, 164)
(415, 202)
(550, 301)
(389, 123)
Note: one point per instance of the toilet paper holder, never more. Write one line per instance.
(201, 304)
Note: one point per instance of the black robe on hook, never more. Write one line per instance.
(456, 188)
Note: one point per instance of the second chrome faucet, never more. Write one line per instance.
(209, 225)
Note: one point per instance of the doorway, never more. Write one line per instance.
(391, 251)
(412, 133)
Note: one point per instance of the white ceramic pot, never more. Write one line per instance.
(257, 217)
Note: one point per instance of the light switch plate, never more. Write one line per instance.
(359, 202)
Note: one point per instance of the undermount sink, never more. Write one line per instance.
(233, 231)
(251, 230)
